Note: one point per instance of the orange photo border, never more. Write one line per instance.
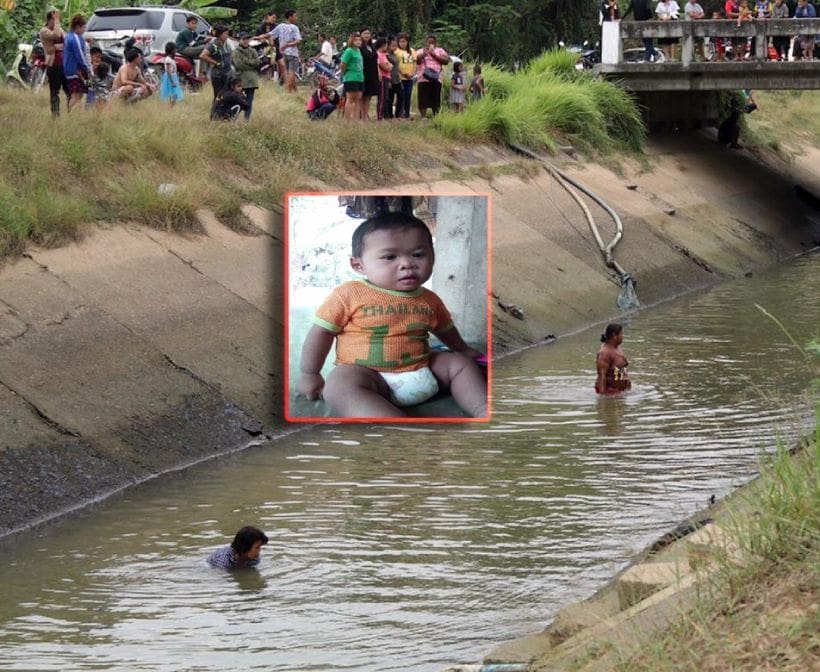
(408, 420)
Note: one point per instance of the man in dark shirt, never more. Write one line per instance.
(188, 42)
(642, 11)
(243, 552)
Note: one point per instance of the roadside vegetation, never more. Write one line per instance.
(759, 610)
(547, 100)
(786, 122)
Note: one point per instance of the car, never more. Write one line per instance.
(151, 27)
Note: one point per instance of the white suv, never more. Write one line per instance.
(151, 27)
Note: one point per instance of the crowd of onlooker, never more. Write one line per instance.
(717, 48)
(368, 70)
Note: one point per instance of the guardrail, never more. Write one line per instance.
(615, 32)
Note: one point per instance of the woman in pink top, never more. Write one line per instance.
(430, 61)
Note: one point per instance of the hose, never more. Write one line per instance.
(628, 298)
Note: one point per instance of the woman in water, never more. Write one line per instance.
(611, 362)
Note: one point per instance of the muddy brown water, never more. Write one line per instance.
(399, 548)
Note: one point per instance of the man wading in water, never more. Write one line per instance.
(611, 362)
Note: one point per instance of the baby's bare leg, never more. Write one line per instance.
(465, 380)
(358, 392)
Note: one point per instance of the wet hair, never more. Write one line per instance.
(170, 48)
(77, 21)
(380, 43)
(392, 221)
(131, 54)
(246, 538)
(612, 329)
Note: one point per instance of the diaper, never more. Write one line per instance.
(408, 388)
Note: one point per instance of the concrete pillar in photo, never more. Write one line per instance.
(460, 274)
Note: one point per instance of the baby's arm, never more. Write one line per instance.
(452, 339)
(314, 352)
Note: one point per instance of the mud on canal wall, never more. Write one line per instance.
(136, 352)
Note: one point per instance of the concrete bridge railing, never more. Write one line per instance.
(615, 32)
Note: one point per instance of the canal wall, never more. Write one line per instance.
(135, 352)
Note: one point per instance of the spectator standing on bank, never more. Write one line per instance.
(76, 66)
(246, 62)
(394, 104)
(385, 69)
(218, 55)
(476, 85)
(289, 38)
(431, 59)
(407, 72)
(170, 89)
(457, 88)
(370, 64)
(353, 77)
(52, 36)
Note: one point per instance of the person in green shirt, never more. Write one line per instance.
(188, 42)
(352, 66)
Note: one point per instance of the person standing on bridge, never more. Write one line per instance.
(805, 10)
(668, 11)
(642, 11)
(781, 42)
(693, 11)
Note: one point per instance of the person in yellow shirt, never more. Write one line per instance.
(407, 71)
(381, 324)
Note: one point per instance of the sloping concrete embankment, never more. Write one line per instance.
(136, 352)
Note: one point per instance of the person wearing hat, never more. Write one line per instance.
(246, 62)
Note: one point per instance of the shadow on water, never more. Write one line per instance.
(409, 548)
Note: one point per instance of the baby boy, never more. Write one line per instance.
(381, 325)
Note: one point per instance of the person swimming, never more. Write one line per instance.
(611, 363)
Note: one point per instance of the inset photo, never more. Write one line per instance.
(387, 312)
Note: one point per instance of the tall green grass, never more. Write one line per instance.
(546, 101)
(56, 176)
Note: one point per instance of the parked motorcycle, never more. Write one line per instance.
(28, 70)
(186, 70)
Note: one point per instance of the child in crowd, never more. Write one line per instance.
(457, 88)
(477, 84)
(763, 9)
(99, 86)
(229, 102)
(381, 324)
(170, 89)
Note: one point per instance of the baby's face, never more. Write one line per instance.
(397, 259)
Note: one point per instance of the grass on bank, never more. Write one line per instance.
(547, 100)
(56, 176)
(762, 615)
(786, 122)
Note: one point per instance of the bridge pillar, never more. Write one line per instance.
(664, 111)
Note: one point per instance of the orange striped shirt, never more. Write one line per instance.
(382, 329)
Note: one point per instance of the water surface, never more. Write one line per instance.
(413, 548)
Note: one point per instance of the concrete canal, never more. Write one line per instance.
(413, 548)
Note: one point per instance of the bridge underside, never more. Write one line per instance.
(711, 76)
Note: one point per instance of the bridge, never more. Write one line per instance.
(686, 93)
(688, 74)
